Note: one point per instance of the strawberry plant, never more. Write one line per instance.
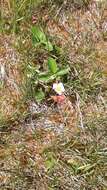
(40, 79)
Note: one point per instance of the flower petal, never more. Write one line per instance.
(59, 88)
(55, 86)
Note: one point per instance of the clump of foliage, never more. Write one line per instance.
(38, 79)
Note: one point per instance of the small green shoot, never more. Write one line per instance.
(50, 162)
(39, 95)
(52, 65)
(39, 38)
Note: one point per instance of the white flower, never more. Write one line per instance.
(59, 88)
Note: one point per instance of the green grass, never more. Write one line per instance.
(41, 158)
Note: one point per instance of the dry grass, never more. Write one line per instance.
(37, 151)
(12, 78)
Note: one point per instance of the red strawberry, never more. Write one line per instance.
(59, 98)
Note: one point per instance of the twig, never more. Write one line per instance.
(103, 101)
(79, 111)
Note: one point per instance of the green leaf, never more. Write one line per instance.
(47, 77)
(50, 77)
(44, 77)
(58, 50)
(63, 71)
(50, 188)
(52, 65)
(48, 46)
(39, 95)
(38, 34)
(50, 162)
